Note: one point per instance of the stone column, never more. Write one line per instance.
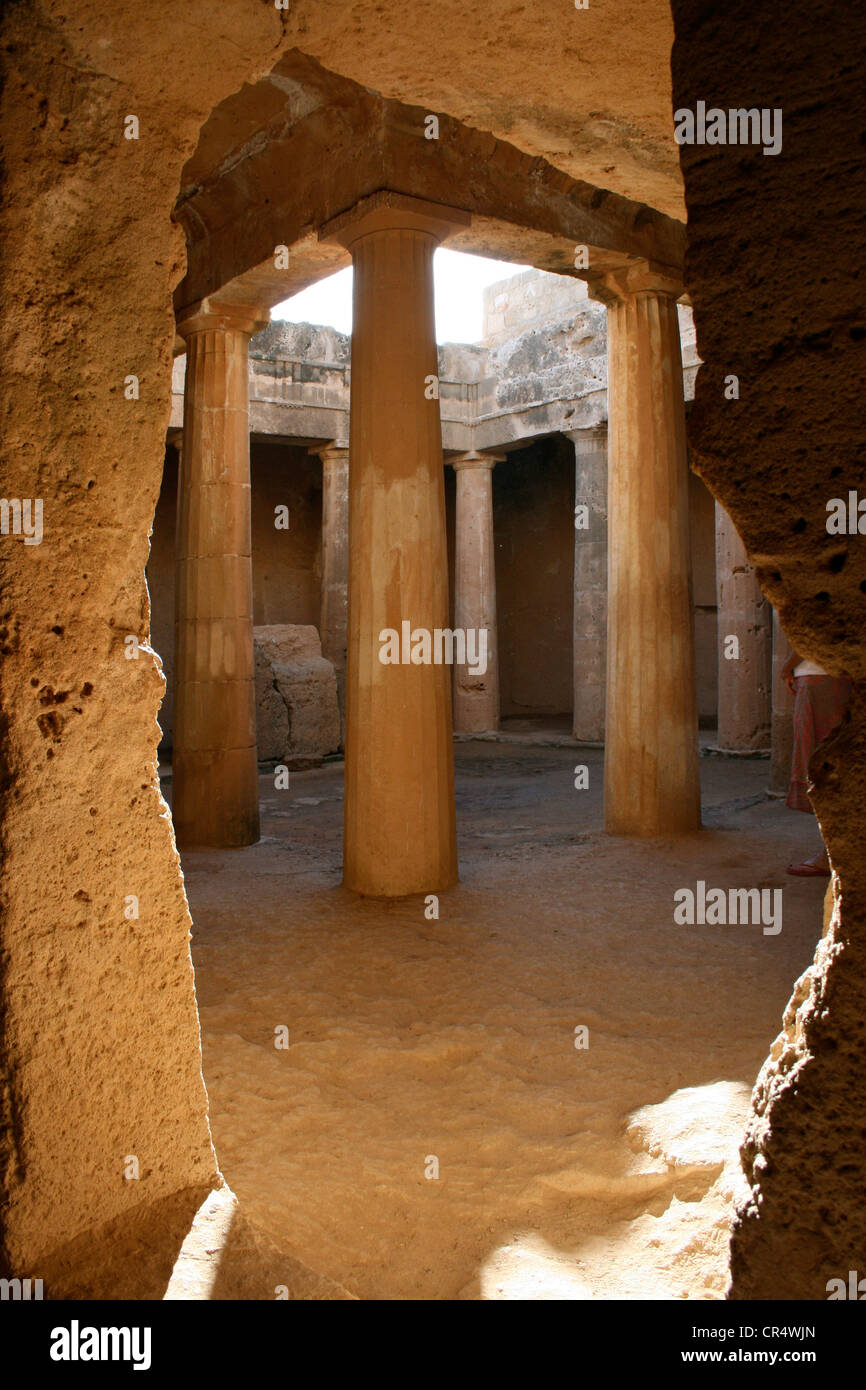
(169, 656)
(215, 774)
(399, 819)
(335, 560)
(651, 728)
(476, 696)
(782, 705)
(590, 581)
(744, 645)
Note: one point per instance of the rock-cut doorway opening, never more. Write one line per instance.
(80, 705)
(347, 1041)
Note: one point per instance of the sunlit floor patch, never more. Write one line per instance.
(685, 1166)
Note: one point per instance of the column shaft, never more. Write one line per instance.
(399, 826)
(590, 583)
(651, 748)
(476, 692)
(335, 561)
(744, 664)
(215, 782)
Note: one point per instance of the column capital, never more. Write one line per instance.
(393, 212)
(471, 459)
(334, 451)
(207, 316)
(637, 277)
(589, 440)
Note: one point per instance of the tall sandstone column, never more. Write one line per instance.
(215, 779)
(744, 664)
(590, 582)
(399, 826)
(335, 559)
(476, 696)
(651, 736)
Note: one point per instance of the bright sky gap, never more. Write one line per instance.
(458, 281)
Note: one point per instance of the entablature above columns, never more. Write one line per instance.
(388, 211)
(237, 206)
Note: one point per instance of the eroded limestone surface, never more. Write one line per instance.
(297, 715)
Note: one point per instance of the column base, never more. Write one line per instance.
(674, 820)
(375, 887)
(474, 721)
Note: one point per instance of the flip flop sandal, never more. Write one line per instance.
(807, 870)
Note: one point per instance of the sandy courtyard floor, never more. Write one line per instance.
(563, 1172)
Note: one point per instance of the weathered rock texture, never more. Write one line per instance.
(272, 715)
(529, 300)
(774, 265)
(100, 1050)
(297, 715)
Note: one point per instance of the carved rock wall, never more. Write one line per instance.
(100, 1047)
(775, 274)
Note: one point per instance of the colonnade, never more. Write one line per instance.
(384, 570)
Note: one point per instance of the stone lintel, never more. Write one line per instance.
(388, 211)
